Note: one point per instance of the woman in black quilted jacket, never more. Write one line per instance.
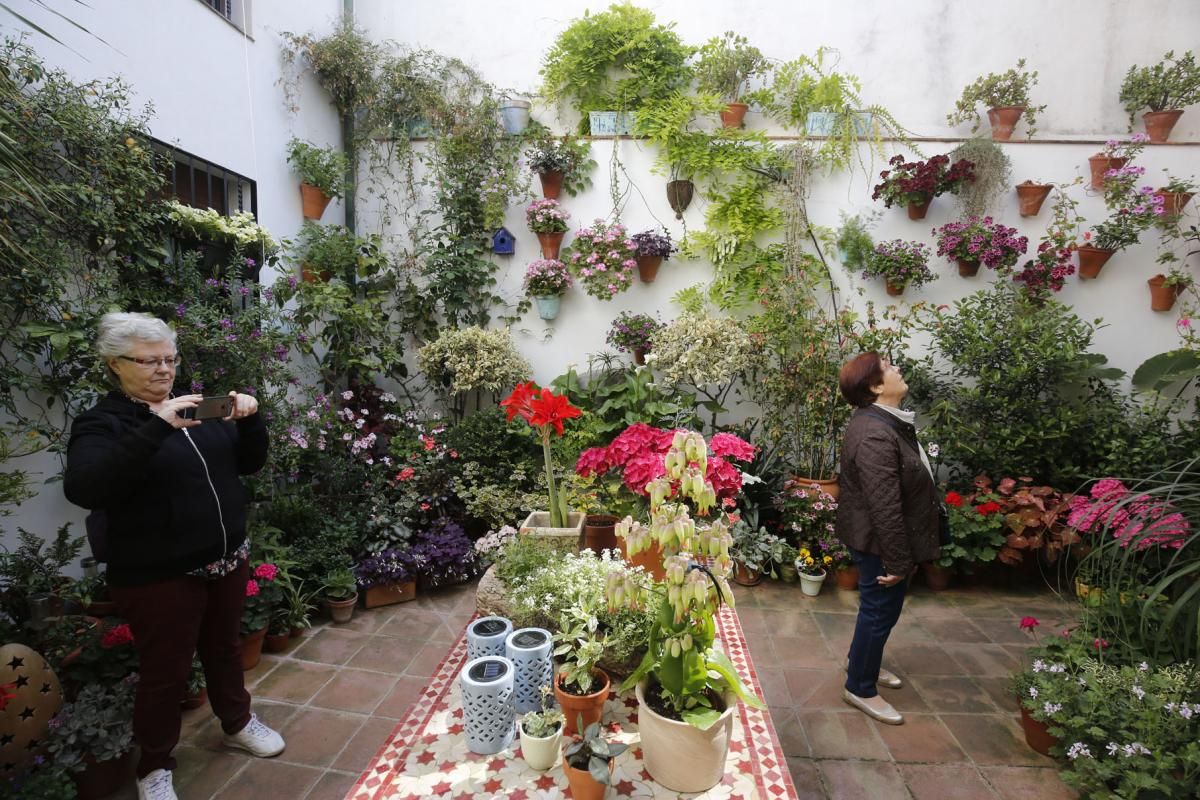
(887, 515)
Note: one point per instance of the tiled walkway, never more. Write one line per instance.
(339, 692)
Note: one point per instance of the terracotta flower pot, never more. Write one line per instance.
(1100, 164)
(1160, 123)
(734, 114)
(746, 576)
(1030, 197)
(551, 243)
(1173, 202)
(967, 268)
(894, 290)
(598, 532)
(651, 561)
(252, 645)
(1037, 734)
(1162, 298)
(828, 486)
(1003, 120)
(1091, 259)
(389, 594)
(551, 184)
(589, 706)
(310, 275)
(313, 201)
(639, 356)
(583, 785)
(937, 578)
(296, 633)
(918, 210)
(648, 267)
(340, 611)
(196, 700)
(846, 577)
(679, 196)
(276, 642)
(100, 779)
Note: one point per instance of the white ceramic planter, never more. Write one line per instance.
(811, 584)
(681, 757)
(568, 539)
(540, 754)
(514, 114)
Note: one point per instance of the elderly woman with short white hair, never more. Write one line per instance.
(175, 513)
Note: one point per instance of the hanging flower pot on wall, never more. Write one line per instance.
(1004, 120)
(1162, 297)
(1091, 259)
(918, 210)
(648, 267)
(1030, 197)
(548, 305)
(1100, 164)
(967, 268)
(551, 243)
(514, 114)
(895, 290)
(1173, 202)
(313, 201)
(552, 183)
(1160, 123)
(734, 114)
(679, 196)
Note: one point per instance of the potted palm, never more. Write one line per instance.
(1164, 88)
(546, 281)
(686, 688)
(580, 687)
(588, 763)
(900, 264)
(541, 734)
(1006, 98)
(724, 66)
(322, 172)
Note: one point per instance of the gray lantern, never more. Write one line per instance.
(486, 635)
(529, 651)
(488, 716)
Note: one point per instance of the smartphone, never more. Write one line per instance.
(217, 407)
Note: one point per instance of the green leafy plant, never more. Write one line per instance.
(344, 62)
(900, 263)
(594, 753)
(97, 723)
(854, 241)
(568, 154)
(622, 40)
(977, 530)
(725, 64)
(547, 722)
(1170, 84)
(993, 175)
(322, 167)
(579, 647)
(340, 584)
(751, 543)
(1009, 88)
(472, 359)
(705, 352)
(36, 567)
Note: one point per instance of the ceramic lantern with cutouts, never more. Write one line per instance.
(29, 696)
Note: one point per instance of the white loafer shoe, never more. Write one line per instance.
(874, 707)
(888, 680)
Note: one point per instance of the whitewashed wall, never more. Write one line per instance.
(914, 58)
(215, 94)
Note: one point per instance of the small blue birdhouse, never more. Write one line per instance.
(503, 242)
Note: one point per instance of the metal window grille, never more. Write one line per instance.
(222, 7)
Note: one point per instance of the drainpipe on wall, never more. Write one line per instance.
(348, 139)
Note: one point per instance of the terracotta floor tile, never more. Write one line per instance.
(1021, 783)
(942, 781)
(419, 626)
(354, 690)
(331, 646)
(862, 780)
(993, 739)
(953, 694)
(799, 624)
(382, 654)
(916, 658)
(983, 659)
(201, 773)
(332, 786)
(363, 746)
(400, 697)
(812, 688)
(315, 736)
(836, 628)
(209, 736)
(801, 653)
(999, 692)
(295, 681)
(426, 660)
(946, 631)
(912, 629)
(806, 779)
(366, 620)
(754, 620)
(922, 738)
(263, 778)
(841, 734)
(791, 733)
(774, 686)
(264, 667)
(906, 698)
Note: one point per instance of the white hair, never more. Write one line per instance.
(119, 328)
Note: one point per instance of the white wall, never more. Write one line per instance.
(215, 94)
(914, 58)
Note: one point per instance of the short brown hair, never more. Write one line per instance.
(858, 375)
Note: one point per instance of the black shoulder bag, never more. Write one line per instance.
(909, 434)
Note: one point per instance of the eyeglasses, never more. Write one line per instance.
(151, 363)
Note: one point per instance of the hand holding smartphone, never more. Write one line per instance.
(215, 407)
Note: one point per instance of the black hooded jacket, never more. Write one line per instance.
(171, 507)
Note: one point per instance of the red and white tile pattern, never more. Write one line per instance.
(426, 756)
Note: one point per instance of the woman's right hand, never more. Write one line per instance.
(889, 580)
(168, 410)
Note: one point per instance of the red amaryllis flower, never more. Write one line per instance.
(517, 403)
(954, 499)
(988, 508)
(1029, 623)
(552, 409)
(1100, 644)
(116, 636)
(251, 588)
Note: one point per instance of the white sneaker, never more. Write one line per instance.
(256, 739)
(157, 786)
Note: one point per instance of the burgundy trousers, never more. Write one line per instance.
(171, 620)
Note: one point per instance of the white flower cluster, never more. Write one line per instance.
(1129, 750)
(699, 350)
(1079, 750)
(1183, 709)
(239, 230)
(1052, 708)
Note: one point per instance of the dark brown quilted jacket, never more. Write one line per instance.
(887, 503)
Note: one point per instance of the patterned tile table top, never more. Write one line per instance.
(426, 756)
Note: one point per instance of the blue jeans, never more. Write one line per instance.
(878, 610)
